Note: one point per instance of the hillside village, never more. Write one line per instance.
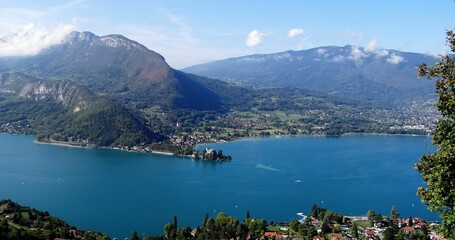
(320, 224)
(20, 222)
(408, 228)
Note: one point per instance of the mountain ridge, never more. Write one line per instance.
(375, 75)
(118, 67)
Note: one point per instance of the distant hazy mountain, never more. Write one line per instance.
(63, 110)
(383, 76)
(118, 67)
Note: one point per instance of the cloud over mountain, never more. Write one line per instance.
(395, 59)
(357, 54)
(33, 38)
(371, 46)
(254, 38)
(295, 32)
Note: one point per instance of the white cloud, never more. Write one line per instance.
(338, 58)
(295, 32)
(254, 38)
(371, 46)
(321, 51)
(395, 59)
(33, 38)
(352, 36)
(357, 54)
(381, 53)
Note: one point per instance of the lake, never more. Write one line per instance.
(117, 192)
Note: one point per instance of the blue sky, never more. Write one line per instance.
(196, 31)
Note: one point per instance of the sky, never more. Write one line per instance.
(189, 32)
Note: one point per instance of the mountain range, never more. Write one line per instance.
(387, 77)
(113, 91)
(116, 66)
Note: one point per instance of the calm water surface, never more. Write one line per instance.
(274, 178)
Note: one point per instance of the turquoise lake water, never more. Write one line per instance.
(116, 192)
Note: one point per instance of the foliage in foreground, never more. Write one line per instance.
(438, 169)
(18, 222)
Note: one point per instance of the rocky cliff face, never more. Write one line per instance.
(66, 93)
(62, 110)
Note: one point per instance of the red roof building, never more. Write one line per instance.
(370, 232)
(273, 234)
(335, 236)
(407, 230)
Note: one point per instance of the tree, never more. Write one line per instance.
(325, 228)
(354, 231)
(389, 234)
(394, 214)
(314, 210)
(206, 218)
(370, 216)
(256, 228)
(134, 236)
(167, 230)
(336, 228)
(184, 233)
(438, 169)
(174, 222)
(377, 218)
(294, 225)
(393, 217)
(322, 213)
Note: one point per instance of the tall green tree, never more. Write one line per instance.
(206, 218)
(394, 214)
(438, 169)
(393, 217)
(314, 210)
(354, 231)
(174, 222)
(247, 215)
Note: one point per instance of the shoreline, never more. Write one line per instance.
(66, 144)
(246, 138)
(164, 153)
(60, 144)
(310, 135)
